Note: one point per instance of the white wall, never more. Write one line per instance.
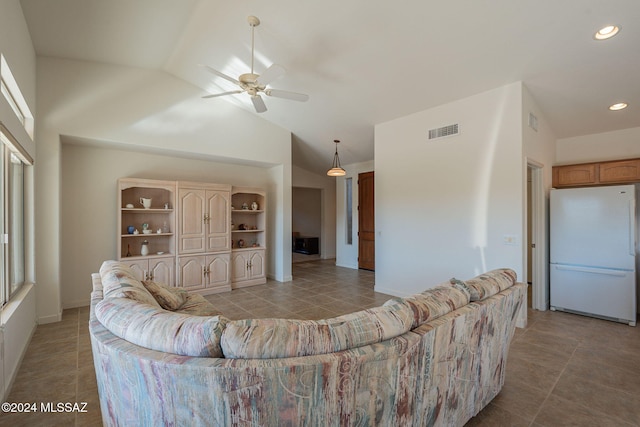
(148, 110)
(327, 186)
(620, 144)
(539, 149)
(347, 254)
(306, 218)
(443, 207)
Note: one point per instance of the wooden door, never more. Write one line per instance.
(366, 222)
(191, 272)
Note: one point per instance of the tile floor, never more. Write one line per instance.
(563, 369)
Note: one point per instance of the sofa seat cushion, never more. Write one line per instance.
(169, 298)
(434, 302)
(119, 281)
(161, 330)
(278, 338)
(489, 283)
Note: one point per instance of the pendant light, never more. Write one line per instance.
(336, 169)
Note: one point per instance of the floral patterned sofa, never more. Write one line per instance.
(164, 357)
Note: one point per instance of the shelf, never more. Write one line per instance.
(141, 210)
(147, 235)
(247, 248)
(247, 231)
(247, 211)
(150, 256)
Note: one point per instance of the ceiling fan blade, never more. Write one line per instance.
(215, 95)
(271, 73)
(295, 96)
(220, 74)
(258, 104)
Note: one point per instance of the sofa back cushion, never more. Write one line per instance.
(119, 281)
(434, 302)
(277, 338)
(161, 330)
(488, 284)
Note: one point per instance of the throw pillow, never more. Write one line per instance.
(167, 298)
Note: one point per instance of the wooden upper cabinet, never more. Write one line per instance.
(601, 173)
(575, 175)
(622, 171)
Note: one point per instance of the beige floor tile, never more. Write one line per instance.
(559, 412)
(494, 416)
(598, 397)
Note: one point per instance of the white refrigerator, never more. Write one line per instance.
(592, 252)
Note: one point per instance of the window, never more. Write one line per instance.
(12, 256)
(14, 163)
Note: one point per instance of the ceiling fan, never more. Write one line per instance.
(253, 83)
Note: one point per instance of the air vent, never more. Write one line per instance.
(444, 131)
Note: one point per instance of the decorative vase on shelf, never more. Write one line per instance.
(254, 206)
(144, 250)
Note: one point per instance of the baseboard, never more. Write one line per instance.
(50, 319)
(76, 304)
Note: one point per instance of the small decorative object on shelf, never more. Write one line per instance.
(146, 203)
(165, 227)
(245, 206)
(146, 229)
(254, 206)
(130, 229)
(241, 243)
(129, 206)
(166, 205)
(128, 250)
(144, 250)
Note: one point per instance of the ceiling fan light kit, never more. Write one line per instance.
(336, 168)
(254, 84)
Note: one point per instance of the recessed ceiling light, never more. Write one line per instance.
(618, 106)
(606, 32)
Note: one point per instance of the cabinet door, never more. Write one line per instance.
(191, 272)
(191, 225)
(256, 265)
(219, 270)
(622, 171)
(572, 175)
(240, 267)
(162, 270)
(139, 267)
(217, 223)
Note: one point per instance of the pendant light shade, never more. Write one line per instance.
(336, 169)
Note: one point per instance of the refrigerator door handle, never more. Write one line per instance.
(616, 273)
(632, 228)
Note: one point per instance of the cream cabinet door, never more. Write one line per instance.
(218, 271)
(191, 220)
(240, 266)
(162, 270)
(256, 265)
(217, 221)
(191, 272)
(139, 267)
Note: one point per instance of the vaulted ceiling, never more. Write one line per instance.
(364, 62)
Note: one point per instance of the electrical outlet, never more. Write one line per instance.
(510, 239)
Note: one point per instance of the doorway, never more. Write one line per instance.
(366, 222)
(536, 251)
